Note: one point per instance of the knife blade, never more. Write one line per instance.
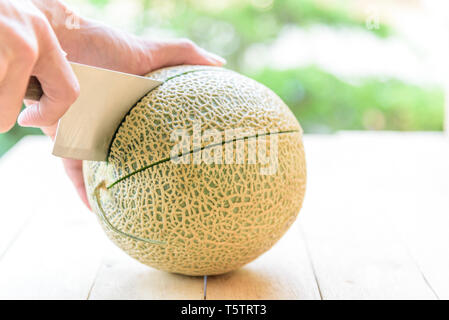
(87, 128)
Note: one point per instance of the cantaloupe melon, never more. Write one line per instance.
(199, 218)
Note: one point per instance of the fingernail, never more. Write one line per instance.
(28, 103)
(216, 58)
(22, 119)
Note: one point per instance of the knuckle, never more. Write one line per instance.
(73, 92)
(39, 21)
(21, 45)
(27, 50)
(76, 90)
(42, 29)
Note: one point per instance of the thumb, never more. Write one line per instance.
(183, 51)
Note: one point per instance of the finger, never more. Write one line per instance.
(3, 64)
(12, 90)
(179, 52)
(74, 169)
(14, 75)
(59, 85)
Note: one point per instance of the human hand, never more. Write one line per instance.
(98, 45)
(29, 46)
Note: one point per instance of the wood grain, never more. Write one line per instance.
(355, 190)
(55, 256)
(15, 212)
(121, 277)
(284, 272)
(374, 226)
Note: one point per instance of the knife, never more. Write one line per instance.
(87, 128)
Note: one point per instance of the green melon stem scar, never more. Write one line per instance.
(196, 150)
(102, 185)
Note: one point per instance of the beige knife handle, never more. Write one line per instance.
(34, 90)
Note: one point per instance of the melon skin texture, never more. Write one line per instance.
(198, 218)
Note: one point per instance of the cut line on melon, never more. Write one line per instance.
(165, 81)
(197, 150)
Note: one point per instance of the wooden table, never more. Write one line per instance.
(375, 224)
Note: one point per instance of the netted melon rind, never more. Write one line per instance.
(217, 98)
(213, 218)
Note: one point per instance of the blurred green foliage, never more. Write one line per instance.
(8, 140)
(324, 103)
(321, 101)
(235, 25)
